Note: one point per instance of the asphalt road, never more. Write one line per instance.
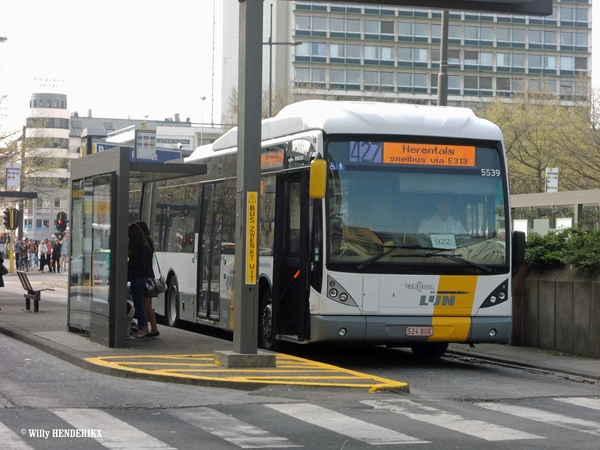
(453, 404)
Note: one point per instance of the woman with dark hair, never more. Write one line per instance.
(139, 268)
(153, 330)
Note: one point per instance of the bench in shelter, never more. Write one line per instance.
(32, 294)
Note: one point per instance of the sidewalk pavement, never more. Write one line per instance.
(186, 357)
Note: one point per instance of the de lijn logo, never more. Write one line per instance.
(443, 298)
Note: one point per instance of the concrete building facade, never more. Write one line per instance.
(356, 51)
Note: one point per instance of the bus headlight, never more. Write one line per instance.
(493, 332)
(493, 299)
(333, 293)
(343, 297)
(501, 295)
(342, 332)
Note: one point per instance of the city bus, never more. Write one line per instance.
(410, 245)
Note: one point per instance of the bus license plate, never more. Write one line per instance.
(419, 331)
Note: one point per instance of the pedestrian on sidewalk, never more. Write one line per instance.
(1, 276)
(64, 253)
(43, 253)
(139, 268)
(2, 249)
(153, 329)
(31, 254)
(23, 253)
(56, 256)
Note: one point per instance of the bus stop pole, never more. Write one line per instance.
(245, 332)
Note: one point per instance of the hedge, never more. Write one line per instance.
(570, 246)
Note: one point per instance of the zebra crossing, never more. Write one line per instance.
(400, 421)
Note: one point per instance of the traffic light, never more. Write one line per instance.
(7, 218)
(15, 219)
(61, 221)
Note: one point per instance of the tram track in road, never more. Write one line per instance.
(494, 361)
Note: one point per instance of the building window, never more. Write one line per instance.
(454, 32)
(581, 63)
(503, 84)
(57, 202)
(302, 22)
(535, 61)
(353, 51)
(454, 57)
(337, 24)
(38, 224)
(386, 79)
(337, 51)
(337, 76)
(405, 80)
(518, 60)
(387, 53)
(318, 75)
(371, 78)
(566, 38)
(353, 25)
(420, 80)
(503, 59)
(453, 81)
(535, 37)
(372, 26)
(371, 52)
(549, 62)
(302, 75)
(353, 77)
(581, 39)
(471, 58)
(319, 24)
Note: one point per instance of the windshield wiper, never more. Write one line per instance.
(458, 259)
(372, 259)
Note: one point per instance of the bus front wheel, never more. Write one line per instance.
(266, 336)
(430, 349)
(172, 303)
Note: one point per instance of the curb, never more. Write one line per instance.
(519, 363)
(79, 359)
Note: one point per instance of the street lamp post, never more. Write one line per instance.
(270, 43)
(202, 120)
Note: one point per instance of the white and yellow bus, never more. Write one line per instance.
(410, 247)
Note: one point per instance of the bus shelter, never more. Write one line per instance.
(106, 189)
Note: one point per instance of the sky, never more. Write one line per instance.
(121, 58)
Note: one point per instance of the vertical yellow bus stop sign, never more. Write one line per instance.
(251, 237)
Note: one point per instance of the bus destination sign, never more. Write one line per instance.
(412, 153)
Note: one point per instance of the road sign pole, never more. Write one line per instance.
(245, 332)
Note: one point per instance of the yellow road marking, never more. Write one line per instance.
(201, 366)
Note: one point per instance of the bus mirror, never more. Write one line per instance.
(318, 178)
(518, 250)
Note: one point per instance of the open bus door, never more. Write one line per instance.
(291, 258)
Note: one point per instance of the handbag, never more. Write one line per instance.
(3, 269)
(155, 286)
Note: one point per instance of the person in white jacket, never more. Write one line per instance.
(43, 254)
(442, 221)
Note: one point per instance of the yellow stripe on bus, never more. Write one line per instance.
(455, 295)
(453, 329)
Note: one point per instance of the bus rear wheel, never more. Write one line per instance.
(430, 349)
(172, 303)
(266, 336)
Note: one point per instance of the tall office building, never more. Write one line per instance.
(362, 51)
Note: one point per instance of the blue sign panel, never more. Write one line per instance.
(162, 156)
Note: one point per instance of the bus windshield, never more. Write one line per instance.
(415, 203)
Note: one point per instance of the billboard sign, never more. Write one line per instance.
(145, 144)
(175, 142)
(528, 7)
